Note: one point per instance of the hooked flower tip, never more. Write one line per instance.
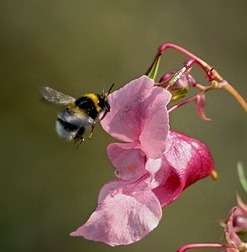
(214, 175)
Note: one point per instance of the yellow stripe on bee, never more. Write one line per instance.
(95, 100)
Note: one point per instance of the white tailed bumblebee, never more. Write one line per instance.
(79, 114)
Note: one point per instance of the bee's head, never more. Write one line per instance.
(103, 101)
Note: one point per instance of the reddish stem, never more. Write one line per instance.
(211, 73)
(230, 89)
(209, 70)
(199, 245)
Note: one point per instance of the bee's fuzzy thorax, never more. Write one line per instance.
(95, 99)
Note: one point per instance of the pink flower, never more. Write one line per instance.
(153, 165)
(236, 222)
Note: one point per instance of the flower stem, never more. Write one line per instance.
(199, 245)
(213, 76)
(232, 91)
(209, 70)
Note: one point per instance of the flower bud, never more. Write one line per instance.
(240, 223)
(178, 83)
(183, 80)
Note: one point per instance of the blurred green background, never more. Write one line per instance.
(48, 187)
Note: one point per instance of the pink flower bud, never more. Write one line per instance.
(235, 223)
(184, 81)
(240, 223)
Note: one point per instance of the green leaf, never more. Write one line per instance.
(242, 177)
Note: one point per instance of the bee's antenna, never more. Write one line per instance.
(110, 89)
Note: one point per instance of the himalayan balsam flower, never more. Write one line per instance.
(153, 165)
(236, 222)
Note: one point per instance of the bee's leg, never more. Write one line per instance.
(79, 141)
(77, 144)
(79, 137)
(92, 129)
(82, 139)
(103, 115)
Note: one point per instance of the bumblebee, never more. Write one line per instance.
(79, 114)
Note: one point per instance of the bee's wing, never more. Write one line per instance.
(56, 97)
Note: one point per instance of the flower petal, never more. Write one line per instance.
(122, 217)
(139, 110)
(124, 119)
(155, 123)
(200, 107)
(153, 165)
(128, 160)
(170, 185)
(186, 161)
(156, 174)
